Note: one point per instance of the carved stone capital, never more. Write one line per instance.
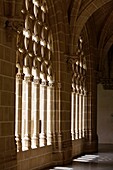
(19, 76)
(44, 83)
(107, 83)
(78, 77)
(72, 59)
(73, 90)
(85, 92)
(52, 84)
(12, 24)
(28, 78)
(82, 79)
(36, 81)
(59, 85)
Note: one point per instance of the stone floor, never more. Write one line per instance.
(103, 160)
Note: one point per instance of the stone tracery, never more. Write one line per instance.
(78, 94)
(34, 80)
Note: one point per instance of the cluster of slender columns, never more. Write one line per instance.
(34, 113)
(34, 80)
(79, 95)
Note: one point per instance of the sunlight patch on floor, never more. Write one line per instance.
(62, 168)
(86, 158)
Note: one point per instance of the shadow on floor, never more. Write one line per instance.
(103, 160)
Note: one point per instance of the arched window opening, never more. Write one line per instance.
(79, 94)
(34, 78)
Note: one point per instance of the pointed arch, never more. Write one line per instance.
(78, 23)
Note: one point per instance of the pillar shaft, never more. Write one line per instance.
(18, 117)
(27, 113)
(43, 114)
(50, 113)
(77, 117)
(35, 114)
(73, 104)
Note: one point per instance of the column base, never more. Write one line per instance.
(73, 136)
(62, 157)
(35, 141)
(76, 135)
(49, 138)
(91, 146)
(18, 143)
(59, 135)
(42, 140)
(26, 143)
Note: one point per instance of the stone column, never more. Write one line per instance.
(85, 110)
(27, 123)
(58, 116)
(82, 107)
(50, 113)
(53, 117)
(85, 113)
(77, 112)
(43, 113)
(92, 138)
(80, 113)
(35, 113)
(83, 117)
(73, 109)
(73, 103)
(18, 116)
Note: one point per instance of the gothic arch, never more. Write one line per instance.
(107, 46)
(75, 9)
(103, 43)
(60, 41)
(77, 24)
(103, 68)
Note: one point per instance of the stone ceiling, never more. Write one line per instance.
(102, 27)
